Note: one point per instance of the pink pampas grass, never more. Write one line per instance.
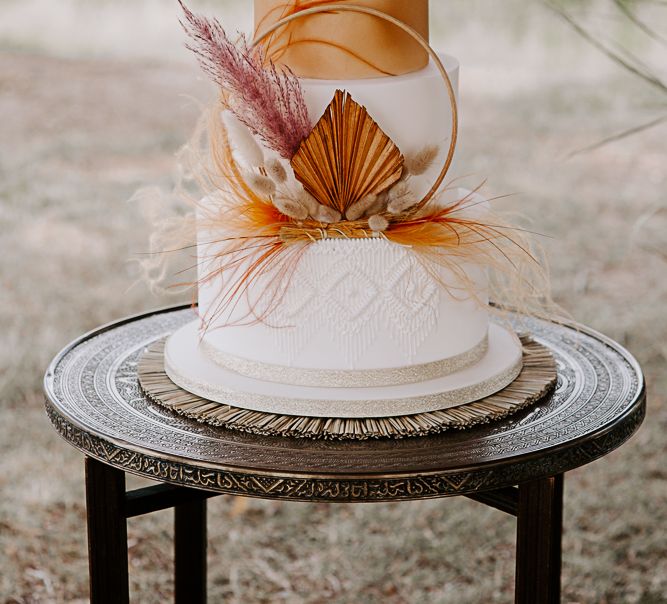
(269, 102)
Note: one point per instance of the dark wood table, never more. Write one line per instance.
(94, 401)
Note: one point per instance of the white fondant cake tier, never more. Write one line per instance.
(352, 304)
(188, 367)
(412, 109)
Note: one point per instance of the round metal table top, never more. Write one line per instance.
(95, 403)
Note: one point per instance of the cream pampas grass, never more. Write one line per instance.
(378, 223)
(290, 207)
(400, 198)
(358, 209)
(327, 215)
(418, 163)
(261, 185)
(275, 170)
(308, 201)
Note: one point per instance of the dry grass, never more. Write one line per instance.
(79, 136)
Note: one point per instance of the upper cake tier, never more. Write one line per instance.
(345, 45)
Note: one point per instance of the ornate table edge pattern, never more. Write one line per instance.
(351, 488)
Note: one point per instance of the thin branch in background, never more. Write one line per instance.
(630, 56)
(637, 70)
(638, 238)
(637, 67)
(616, 137)
(650, 32)
(623, 57)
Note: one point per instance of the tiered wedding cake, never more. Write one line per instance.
(335, 278)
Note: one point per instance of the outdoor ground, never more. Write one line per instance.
(96, 99)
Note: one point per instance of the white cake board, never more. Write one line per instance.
(189, 368)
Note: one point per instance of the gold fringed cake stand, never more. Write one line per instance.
(536, 380)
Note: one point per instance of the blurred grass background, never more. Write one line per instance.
(97, 96)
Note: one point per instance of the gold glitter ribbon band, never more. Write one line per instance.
(311, 407)
(346, 378)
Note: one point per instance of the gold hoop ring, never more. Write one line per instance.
(418, 38)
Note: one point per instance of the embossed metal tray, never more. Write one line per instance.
(94, 401)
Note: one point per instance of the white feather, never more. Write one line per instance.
(244, 144)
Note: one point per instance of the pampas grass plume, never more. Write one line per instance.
(400, 198)
(308, 201)
(417, 163)
(378, 223)
(268, 100)
(275, 170)
(260, 184)
(359, 208)
(326, 214)
(380, 205)
(290, 207)
(246, 147)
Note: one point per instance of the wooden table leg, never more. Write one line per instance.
(107, 534)
(190, 552)
(539, 532)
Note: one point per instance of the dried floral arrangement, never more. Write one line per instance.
(276, 183)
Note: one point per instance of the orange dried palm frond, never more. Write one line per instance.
(347, 156)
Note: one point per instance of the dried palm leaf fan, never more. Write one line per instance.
(330, 167)
(347, 156)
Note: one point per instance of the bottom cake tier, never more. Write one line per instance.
(535, 381)
(187, 366)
